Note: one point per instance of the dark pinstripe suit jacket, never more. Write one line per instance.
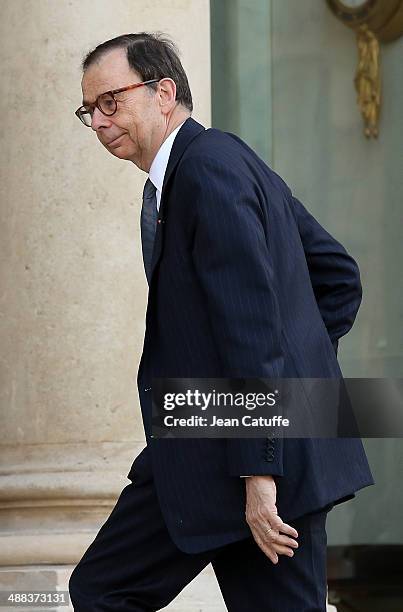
(245, 283)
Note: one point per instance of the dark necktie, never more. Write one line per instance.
(148, 223)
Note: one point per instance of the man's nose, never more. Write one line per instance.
(99, 120)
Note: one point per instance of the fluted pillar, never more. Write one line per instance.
(73, 291)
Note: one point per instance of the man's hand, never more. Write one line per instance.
(261, 515)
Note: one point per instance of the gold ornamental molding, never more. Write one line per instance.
(374, 22)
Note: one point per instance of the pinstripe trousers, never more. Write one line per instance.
(133, 565)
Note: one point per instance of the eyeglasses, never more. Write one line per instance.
(106, 103)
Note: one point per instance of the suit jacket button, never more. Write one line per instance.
(270, 455)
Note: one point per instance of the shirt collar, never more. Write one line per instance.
(160, 161)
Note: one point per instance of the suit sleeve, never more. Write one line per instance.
(233, 265)
(334, 274)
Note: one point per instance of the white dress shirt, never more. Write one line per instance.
(160, 162)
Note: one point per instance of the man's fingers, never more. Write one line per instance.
(269, 552)
(289, 530)
(275, 521)
(283, 540)
(283, 545)
(282, 550)
(273, 544)
(277, 527)
(272, 549)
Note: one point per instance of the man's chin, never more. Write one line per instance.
(120, 153)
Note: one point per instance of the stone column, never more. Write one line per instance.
(73, 293)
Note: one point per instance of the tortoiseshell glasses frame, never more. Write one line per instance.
(106, 103)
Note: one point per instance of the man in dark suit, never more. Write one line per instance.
(243, 282)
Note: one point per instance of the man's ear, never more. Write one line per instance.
(167, 94)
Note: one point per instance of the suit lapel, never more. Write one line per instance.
(186, 134)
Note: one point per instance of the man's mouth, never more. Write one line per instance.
(114, 141)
